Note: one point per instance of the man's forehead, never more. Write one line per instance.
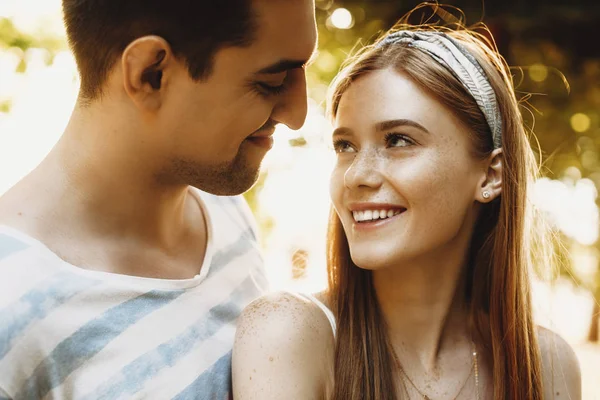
(286, 33)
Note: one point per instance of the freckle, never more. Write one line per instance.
(558, 393)
(20, 213)
(250, 378)
(270, 358)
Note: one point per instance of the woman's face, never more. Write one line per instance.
(405, 181)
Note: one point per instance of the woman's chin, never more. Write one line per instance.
(370, 262)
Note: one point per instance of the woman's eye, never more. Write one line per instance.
(342, 146)
(397, 140)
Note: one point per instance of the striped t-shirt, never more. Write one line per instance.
(70, 333)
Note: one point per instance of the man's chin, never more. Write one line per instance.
(229, 184)
(229, 178)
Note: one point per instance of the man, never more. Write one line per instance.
(118, 278)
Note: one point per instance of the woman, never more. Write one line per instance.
(429, 243)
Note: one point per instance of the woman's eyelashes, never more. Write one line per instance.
(391, 140)
(398, 140)
(342, 146)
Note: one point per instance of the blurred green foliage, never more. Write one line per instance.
(10, 36)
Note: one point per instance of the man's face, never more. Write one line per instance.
(216, 132)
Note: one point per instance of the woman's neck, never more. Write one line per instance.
(423, 304)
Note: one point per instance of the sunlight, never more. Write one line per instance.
(572, 207)
(296, 197)
(34, 16)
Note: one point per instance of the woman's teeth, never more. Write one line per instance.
(372, 215)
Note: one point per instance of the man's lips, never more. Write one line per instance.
(263, 137)
(261, 141)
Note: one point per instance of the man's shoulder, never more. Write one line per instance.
(20, 256)
(18, 223)
(11, 241)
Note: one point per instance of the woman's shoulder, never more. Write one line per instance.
(306, 314)
(283, 348)
(561, 373)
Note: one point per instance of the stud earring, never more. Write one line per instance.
(486, 194)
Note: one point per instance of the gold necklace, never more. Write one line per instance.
(474, 368)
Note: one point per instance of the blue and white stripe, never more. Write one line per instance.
(66, 333)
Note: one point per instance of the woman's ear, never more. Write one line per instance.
(490, 186)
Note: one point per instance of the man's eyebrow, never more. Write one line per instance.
(282, 66)
(287, 64)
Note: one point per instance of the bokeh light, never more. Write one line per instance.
(538, 72)
(341, 18)
(580, 122)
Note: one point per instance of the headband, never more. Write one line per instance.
(457, 59)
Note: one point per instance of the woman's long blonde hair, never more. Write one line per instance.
(498, 286)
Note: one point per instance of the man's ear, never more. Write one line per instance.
(490, 186)
(145, 64)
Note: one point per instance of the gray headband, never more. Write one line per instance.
(457, 59)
